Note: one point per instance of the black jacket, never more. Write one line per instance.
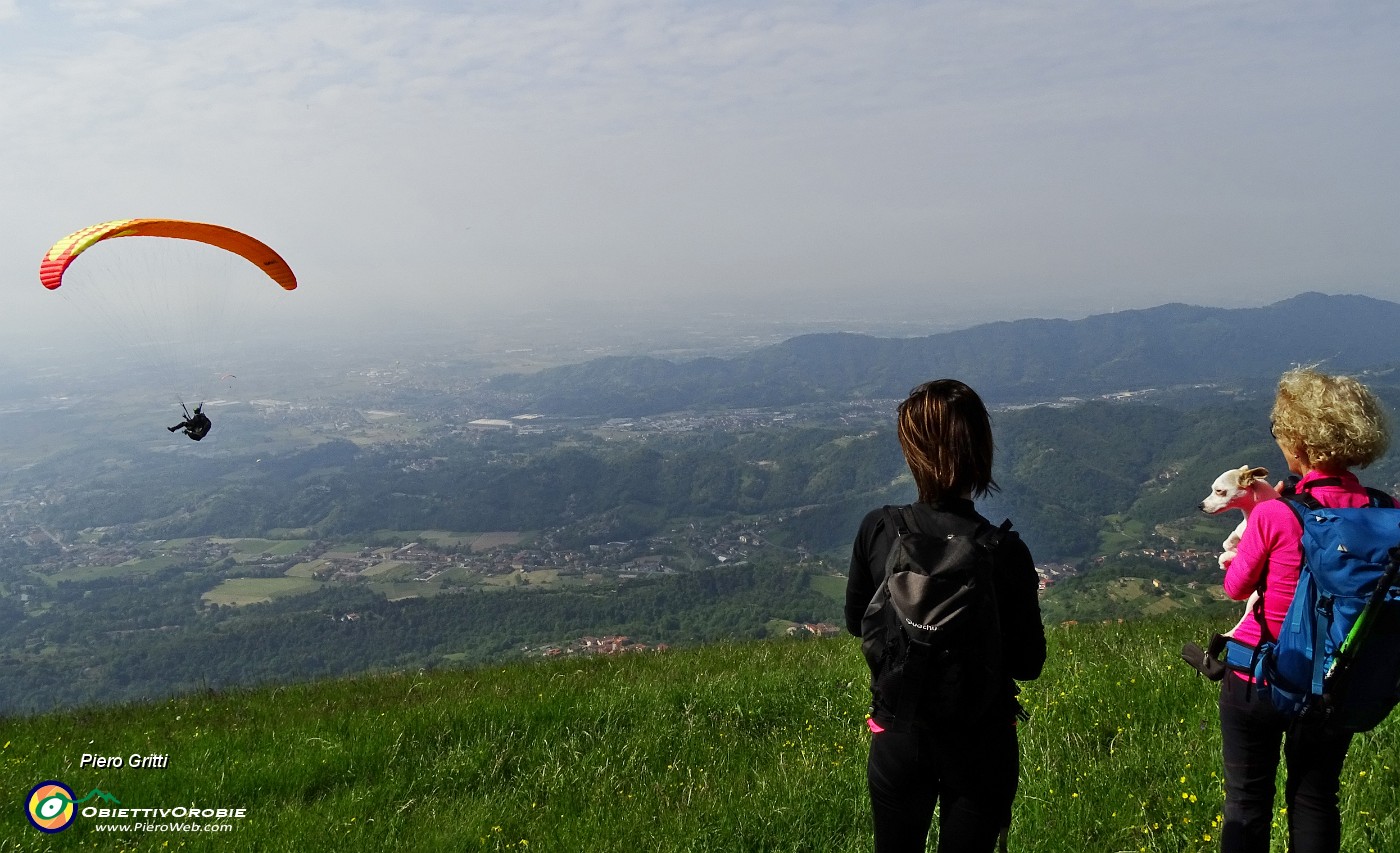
(1018, 596)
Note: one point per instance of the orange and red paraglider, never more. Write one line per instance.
(63, 253)
(175, 312)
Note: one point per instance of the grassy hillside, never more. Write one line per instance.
(743, 747)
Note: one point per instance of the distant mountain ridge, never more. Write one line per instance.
(1008, 361)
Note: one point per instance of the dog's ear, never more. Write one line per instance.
(1249, 475)
(1243, 476)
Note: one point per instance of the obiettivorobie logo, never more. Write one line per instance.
(50, 806)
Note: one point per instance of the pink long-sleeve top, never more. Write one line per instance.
(1271, 548)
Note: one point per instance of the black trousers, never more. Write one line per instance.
(970, 775)
(1251, 732)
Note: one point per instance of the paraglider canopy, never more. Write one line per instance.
(63, 253)
(182, 314)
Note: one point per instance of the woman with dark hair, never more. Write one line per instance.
(1324, 426)
(970, 766)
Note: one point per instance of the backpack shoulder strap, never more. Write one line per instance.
(992, 537)
(1304, 499)
(1299, 501)
(1322, 481)
(908, 520)
(1380, 499)
(901, 517)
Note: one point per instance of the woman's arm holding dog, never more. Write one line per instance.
(1268, 525)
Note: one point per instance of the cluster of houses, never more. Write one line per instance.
(813, 629)
(614, 645)
(1050, 573)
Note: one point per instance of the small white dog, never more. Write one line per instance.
(1241, 488)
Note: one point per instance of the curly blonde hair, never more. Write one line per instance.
(1335, 422)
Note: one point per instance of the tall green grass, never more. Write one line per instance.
(741, 747)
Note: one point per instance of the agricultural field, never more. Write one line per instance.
(248, 549)
(449, 539)
(88, 574)
(239, 591)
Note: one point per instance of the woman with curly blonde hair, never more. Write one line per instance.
(1324, 426)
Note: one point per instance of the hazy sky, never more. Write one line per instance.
(988, 160)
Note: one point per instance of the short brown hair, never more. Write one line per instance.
(1335, 421)
(946, 435)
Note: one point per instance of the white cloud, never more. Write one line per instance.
(1006, 159)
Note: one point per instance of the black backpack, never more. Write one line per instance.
(932, 632)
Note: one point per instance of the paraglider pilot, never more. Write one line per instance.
(196, 425)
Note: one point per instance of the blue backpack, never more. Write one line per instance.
(1337, 656)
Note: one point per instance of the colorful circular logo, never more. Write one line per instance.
(50, 806)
